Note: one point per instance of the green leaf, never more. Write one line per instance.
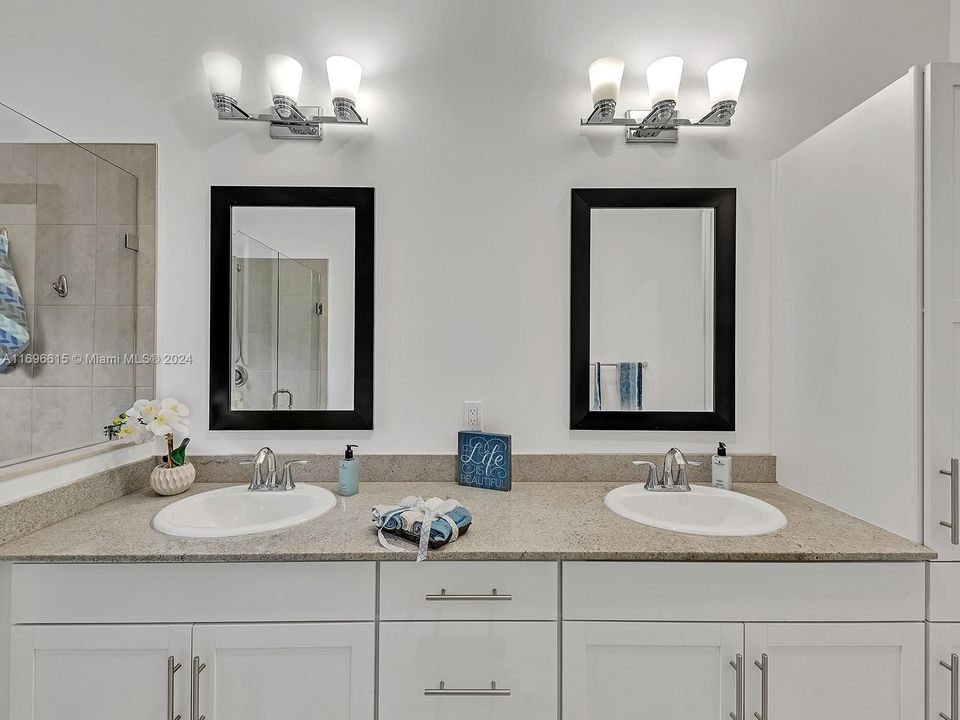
(179, 456)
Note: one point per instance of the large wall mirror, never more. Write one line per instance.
(291, 308)
(652, 309)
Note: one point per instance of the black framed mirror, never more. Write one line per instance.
(291, 308)
(652, 308)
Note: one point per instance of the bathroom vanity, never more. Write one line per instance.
(550, 602)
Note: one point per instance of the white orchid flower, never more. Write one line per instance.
(175, 406)
(166, 422)
(145, 410)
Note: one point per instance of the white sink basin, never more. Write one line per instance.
(702, 511)
(233, 511)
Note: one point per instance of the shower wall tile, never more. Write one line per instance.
(66, 185)
(71, 250)
(146, 344)
(23, 254)
(17, 404)
(66, 329)
(18, 214)
(107, 404)
(146, 266)
(61, 418)
(145, 392)
(127, 261)
(108, 258)
(18, 173)
(140, 160)
(113, 340)
(108, 193)
(21, 373)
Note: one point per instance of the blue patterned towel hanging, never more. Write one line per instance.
(629, 382)
(14, 335)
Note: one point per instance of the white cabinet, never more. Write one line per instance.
(292, 671)
(837, 671)
(943, 670)
(468, 670)
(113, 672)
(668, 671)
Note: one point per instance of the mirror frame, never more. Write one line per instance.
(724, 203)
(222, 201)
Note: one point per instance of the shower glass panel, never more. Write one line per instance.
(68, 290)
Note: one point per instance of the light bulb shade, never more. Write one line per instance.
(725, 79)
(344, 75)
(663, 79)
(284, 74)
(223, 73)
(605, 76)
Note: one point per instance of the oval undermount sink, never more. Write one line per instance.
(702, 511)
(234, 511)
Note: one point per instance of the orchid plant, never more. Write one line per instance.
(149, 419)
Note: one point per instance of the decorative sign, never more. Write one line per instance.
(484, 460)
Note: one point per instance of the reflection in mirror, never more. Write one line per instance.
(292, 311)
(651, 309)
(76, 275)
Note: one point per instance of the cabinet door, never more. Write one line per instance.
(295, 671)
(943, 680)
(468, 671)
(94, 672)
(845, 671)
(661, 671)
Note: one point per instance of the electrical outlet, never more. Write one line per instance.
(473, 415)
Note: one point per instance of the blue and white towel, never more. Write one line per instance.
(631, 385)
(14, 334)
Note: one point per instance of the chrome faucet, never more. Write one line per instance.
(259, 482)
(668, 482)
(270, 481)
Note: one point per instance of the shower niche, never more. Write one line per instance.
(291, 308)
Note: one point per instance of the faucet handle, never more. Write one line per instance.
(286, 481)
(652, 479)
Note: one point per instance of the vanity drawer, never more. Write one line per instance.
(465, 591)
(466, 657)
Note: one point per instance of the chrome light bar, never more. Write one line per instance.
(289, 121)
(660, 124)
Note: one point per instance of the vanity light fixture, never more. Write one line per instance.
(660, 124)
(288, 119)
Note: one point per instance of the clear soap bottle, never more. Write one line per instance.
(348, 473)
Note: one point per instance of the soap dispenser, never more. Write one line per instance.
(348, 474)
(720, 467)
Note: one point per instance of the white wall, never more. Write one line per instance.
(473, 147)
(847, 344)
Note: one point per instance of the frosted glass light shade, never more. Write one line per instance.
(223, 73)
(284, 74)
(605, 76)
(663, 79)
(725, 79)
(344, 75)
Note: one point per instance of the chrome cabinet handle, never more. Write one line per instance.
(954, 474)
(198, 667)
(493, 690)
(954, 668)
(738, 666)
(494, 595)
(763, 664)
(172, 667)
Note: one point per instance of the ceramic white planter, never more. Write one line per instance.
(172, 481)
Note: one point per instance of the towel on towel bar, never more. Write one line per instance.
(631, 385)
(14, 334)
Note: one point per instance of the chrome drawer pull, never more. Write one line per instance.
(954, 668)
(954, 474)
(198, 667)
(763, 664)
(738, 666)
(172, 667)
(493, 690)
(492, 596)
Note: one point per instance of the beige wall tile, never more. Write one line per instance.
(61, 418)
(146, 266)
(71, 250)
(17, 404)
(66, 185)
(67, 329)
(18, 214)
(107, 404)
(140, 160)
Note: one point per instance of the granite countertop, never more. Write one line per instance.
(535, 521)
